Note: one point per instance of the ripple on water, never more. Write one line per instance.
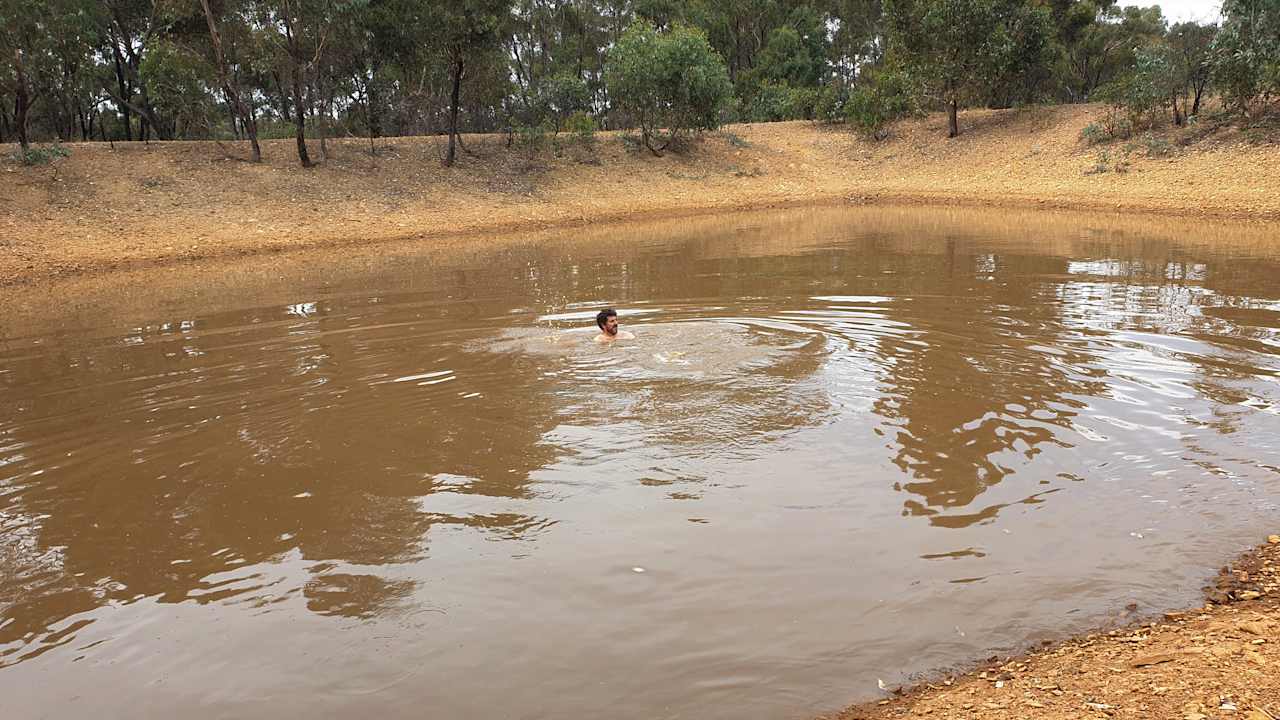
(937, 445)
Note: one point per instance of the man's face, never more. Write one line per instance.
(611, 325)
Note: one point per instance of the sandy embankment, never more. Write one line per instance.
(135, 204)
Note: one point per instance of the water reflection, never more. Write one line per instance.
(806, 394)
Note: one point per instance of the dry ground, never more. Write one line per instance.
(1222, 661)
(136, 204)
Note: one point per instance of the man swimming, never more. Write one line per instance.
(607, 321)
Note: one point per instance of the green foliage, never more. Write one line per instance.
(1246, 53)
(1152, 145)
(1106, 162)
(830, 103)
(582, 127)
(533, 139)
(42, 155)
(1190, 44)
(794, 54)
(146, 68)
(875, 104)
(957, 50)
(1097, 40)
(775, 101)
(1094, 133)
(1020, 54)
(561, 96)
(670, 82)
(177, 82)
(1143, 92)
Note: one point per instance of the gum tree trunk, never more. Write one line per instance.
(23, 103)
(295, 76)
(229, 86)
(453, 110)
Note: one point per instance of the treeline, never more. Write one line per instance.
(314, 69)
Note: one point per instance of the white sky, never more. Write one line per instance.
(1183, 10)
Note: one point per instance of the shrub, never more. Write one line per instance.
(1116, 123)
(830, 102)
(582, 127)
(1094, 133)
(1246, 53)
(1154, 146)
(559, 98)
(772, 101)
(873, 105)
(1148, 91)
(671, 82)
(533, 139)
(1105, 162)
(42, 155)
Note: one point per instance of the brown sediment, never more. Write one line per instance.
(1222, 660)
(138, 205)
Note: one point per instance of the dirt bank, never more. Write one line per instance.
(1221, 661)
(133, 204)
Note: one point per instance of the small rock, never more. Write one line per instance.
(1273, 539)
(1250, 595)
(1147, 660)
(1253, 628)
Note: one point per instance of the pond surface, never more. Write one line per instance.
(844, 446)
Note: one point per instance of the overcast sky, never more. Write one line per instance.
(1182, 10)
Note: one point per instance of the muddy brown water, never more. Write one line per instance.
(846, 446)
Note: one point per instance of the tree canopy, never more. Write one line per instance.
(668, 81)
(312, 69)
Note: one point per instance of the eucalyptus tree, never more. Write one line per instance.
(232, 18)
(129, 27)
(857, 38)
(47, 64)
(20, 35)
(1246, 54)
(295, 32)
(669, 81)
(1191, 43)
(467, 30)
(946, 45)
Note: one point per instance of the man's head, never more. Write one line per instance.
(607, 320)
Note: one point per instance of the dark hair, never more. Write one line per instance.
(603, 316)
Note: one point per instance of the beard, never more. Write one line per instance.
(612, 331)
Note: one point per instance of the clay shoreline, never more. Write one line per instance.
(137, 205)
